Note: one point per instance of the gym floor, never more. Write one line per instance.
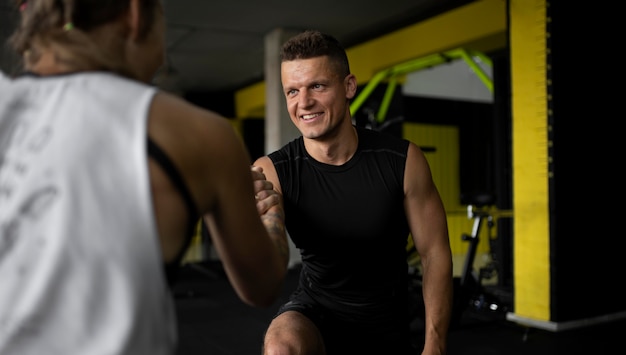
(212, 320)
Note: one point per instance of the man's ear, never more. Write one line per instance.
(351, 85)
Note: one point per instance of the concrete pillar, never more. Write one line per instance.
(278, 126)
(279, 129)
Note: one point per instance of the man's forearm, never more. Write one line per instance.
(275, 226)
(437, 292)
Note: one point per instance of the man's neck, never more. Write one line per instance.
(335, 151)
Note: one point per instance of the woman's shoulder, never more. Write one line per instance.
(174, 110)
(201, 142)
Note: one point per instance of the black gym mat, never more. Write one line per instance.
(212, 320)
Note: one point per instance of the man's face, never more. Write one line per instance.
(317, 98)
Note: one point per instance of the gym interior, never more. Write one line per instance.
(497, 96)
(513, 120)
(511, 102)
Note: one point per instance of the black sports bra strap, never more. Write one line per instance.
(168, 166)
(166, 163)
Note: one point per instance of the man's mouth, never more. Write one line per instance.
(310, 116)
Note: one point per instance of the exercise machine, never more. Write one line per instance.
(470, 292)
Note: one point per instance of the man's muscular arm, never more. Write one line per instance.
(269, 205)
(427, 220)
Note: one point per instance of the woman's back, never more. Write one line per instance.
(77, 219)
(102, 178)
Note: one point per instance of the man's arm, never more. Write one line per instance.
(270, 207)
(267, 166)
(429, 229)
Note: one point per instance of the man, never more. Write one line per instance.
(352, 196)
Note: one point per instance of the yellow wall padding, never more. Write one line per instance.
(530, 158)
(480, 25)
(443, 161)
(250, 101)
(445, 168)
(462, 27)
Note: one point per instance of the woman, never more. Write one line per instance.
(102, 181)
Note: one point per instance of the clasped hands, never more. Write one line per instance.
(264, 193)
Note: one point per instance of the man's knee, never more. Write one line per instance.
(293, 334)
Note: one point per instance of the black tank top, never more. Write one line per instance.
(349, 223)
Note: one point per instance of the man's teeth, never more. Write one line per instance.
(308, 117)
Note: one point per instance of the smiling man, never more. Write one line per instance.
(352, 195)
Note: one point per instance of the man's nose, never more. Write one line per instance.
(304, 99)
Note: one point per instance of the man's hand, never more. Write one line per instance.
(264, 193)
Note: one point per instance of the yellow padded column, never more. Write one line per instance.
(530, 159)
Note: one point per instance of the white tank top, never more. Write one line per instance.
(80, 265)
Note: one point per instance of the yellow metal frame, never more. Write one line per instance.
(392, 74)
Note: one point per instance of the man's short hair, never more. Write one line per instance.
(312, 44)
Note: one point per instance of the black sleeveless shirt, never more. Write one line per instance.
(350, 226)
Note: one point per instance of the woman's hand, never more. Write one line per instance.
(264, 193)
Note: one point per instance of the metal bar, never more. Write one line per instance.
(392, 73)
(384, 105)
(477, 70)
